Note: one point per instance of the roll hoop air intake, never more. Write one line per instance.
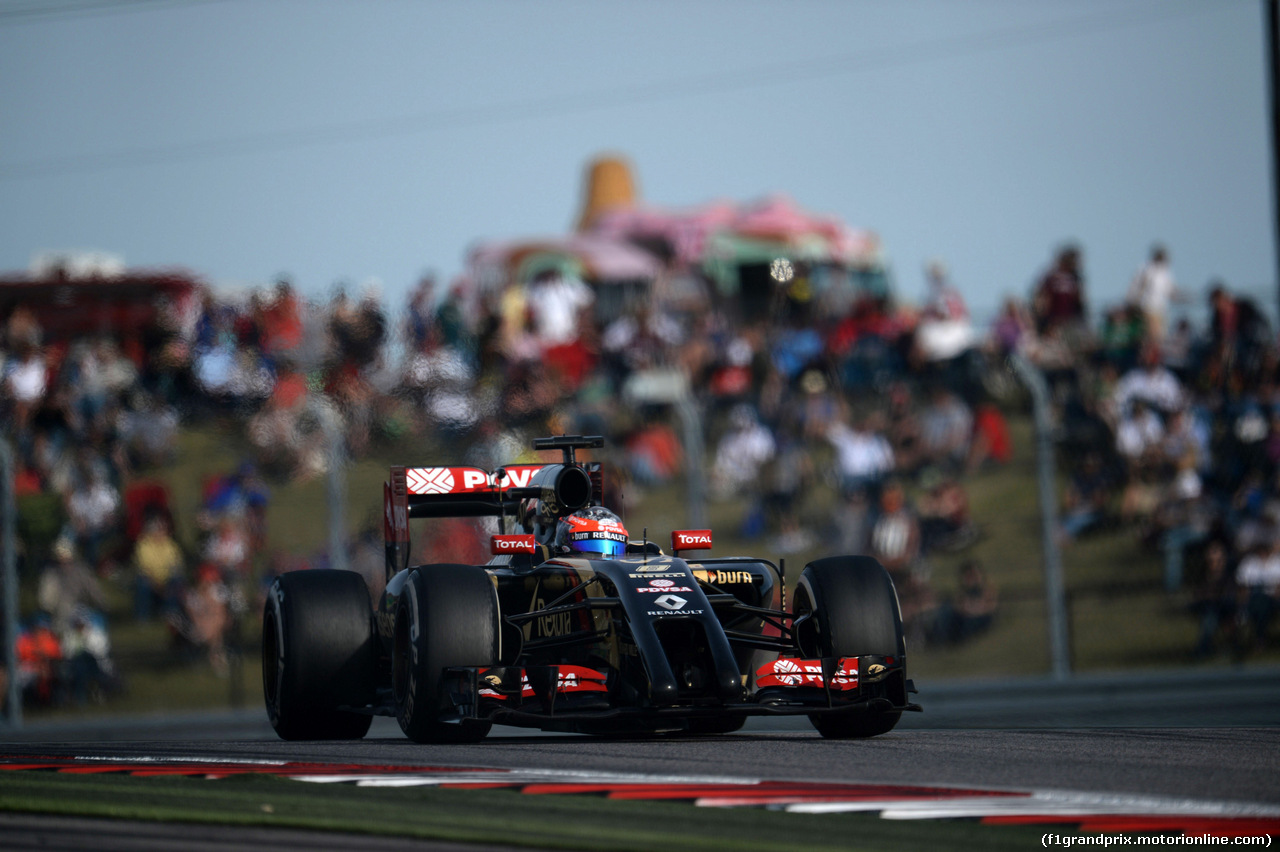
(566, 487)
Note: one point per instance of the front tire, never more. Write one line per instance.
(448, 616)
(854, 612)
(318, 654)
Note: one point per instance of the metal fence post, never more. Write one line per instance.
(1054, 587)
(9, 565)
(671, 387)
(691, 420)
(336, 480)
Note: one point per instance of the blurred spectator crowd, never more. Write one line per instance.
(836, 416)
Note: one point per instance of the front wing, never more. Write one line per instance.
(558, 696)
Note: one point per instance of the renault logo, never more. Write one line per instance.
(671, 602)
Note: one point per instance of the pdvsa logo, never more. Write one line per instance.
(660, 586)
(784, 669)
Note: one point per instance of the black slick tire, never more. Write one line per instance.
(855, 612)
(447, 616)
(318, 654)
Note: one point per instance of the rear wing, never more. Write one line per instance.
(458, 492)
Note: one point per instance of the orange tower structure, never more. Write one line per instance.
(609, 185)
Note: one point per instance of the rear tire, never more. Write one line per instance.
(318, 653)
(448, 616)
(855, 613)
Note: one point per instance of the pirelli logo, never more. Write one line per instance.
(724, 578)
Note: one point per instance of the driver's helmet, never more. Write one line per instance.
(593, 531)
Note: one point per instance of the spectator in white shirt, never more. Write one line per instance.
(1152, 383)
(1151, 290)
(1140, 434)
(741, 453)
(1258, 578)
(863, 455)
(556, 302)
(25, 383)
(93, 510)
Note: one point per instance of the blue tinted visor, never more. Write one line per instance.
(602, 546)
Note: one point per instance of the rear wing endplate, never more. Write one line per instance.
(455, 492)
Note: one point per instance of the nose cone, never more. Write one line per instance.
(731, 686)
(664, 692)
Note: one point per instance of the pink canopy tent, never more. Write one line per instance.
(591, 256)
(776, 221)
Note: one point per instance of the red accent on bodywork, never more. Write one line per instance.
(571, 679)
(690, 540)
(793, 671)
(467, 480)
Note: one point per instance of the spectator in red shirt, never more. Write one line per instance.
(654, 453)
(282, 324)
(991, 442)
(39, 658)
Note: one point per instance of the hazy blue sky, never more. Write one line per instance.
(349, 141)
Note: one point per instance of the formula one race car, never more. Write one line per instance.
(575, 626)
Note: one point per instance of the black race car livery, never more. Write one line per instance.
(634, 642)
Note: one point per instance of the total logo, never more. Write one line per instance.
(500, 544)
(690, 540)
(659, 586)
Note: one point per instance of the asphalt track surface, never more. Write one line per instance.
(1241, 764)
(1184, 735)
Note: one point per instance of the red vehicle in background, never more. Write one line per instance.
(69, 299)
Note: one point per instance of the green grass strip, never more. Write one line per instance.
(577, 822)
